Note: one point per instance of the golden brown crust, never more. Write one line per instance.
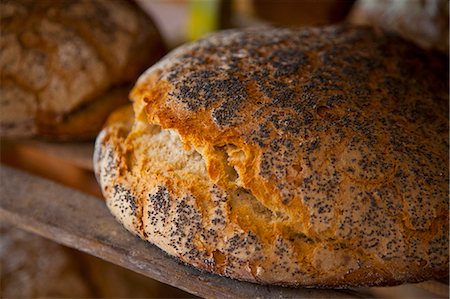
(314, 157)
(57, 56)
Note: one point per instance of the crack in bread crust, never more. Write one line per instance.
(312, 178)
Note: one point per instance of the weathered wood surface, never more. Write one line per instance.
(83, 222)
(76, 153)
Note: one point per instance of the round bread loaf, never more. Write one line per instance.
(314, 157)
(60, 59)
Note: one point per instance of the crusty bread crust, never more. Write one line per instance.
(314, 157)
(58, 56)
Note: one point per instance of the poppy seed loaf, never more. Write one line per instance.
(313, 157)
(65, 65)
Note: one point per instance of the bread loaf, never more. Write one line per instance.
(58, 58)
(34, 267)
(423, 22)
(313, 157)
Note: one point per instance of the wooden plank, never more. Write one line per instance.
(62, 163)
(81, 221)
(77, 153)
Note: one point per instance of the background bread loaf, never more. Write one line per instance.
(423, 22)
(314, 156)
(59, 57)
(34, 267)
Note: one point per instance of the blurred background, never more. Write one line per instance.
(51, 270)
(187, 20)
(422, 21)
